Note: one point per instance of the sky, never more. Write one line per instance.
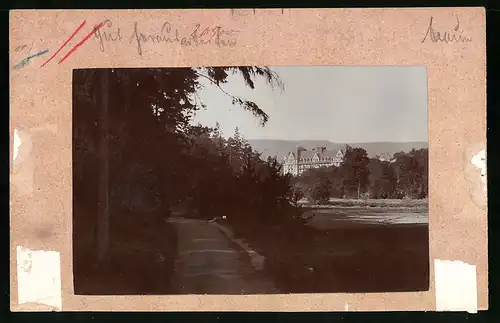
(336, 103)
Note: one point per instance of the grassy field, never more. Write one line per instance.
(344, 258)
(363, 205)
(368, 259)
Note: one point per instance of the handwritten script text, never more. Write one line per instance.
(166, 34)
(445, 37)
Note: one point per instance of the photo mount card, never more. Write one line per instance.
(194, 160)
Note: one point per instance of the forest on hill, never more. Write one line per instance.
(280, 148)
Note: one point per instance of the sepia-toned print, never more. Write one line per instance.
(250, 180)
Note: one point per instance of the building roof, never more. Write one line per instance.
(329, 154)
(306, 156)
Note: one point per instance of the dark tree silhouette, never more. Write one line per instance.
(382, 180)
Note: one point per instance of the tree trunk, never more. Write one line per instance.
(359, 184)
(103, 208)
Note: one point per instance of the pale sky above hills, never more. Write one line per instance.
(339, 104)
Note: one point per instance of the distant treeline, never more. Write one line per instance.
(404, 176)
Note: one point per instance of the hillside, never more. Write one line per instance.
(280, 148)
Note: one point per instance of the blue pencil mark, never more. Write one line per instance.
(27, 59)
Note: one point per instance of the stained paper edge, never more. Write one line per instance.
(455, 273)
(480, 160)
(26, 295)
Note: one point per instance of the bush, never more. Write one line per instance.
(318, 194)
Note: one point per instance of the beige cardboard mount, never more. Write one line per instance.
(450, 42)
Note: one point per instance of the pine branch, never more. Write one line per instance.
(247, 105)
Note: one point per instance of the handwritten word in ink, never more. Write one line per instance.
(207, 35)
(454, 36)
(27, 59)
(108, 36)
(23, 47)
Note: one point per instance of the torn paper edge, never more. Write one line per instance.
(23, 144)
(22, 147)
(39, 277)
(456, 286)
(17, 144)
(479, 160)
(22, 163)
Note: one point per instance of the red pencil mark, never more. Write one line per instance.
(65, 43)
(81, 43)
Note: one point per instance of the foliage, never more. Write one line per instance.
(404, 176)
(139, 123)
(355, 171)
(149, 120)
(316, 185)
(296, 192)
(412, 174)
(382, 179)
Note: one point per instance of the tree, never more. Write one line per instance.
(316, 185)
(388, 180)
(236, 151)
(275, 182)
(411, 171)
(355, 171)
(422, 158)
(219, 140)
(295, 193)
(382, 181)
(336, 181)
(144, 106)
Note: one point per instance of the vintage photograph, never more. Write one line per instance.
(250, 180)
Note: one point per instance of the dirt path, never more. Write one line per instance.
(210, 263)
